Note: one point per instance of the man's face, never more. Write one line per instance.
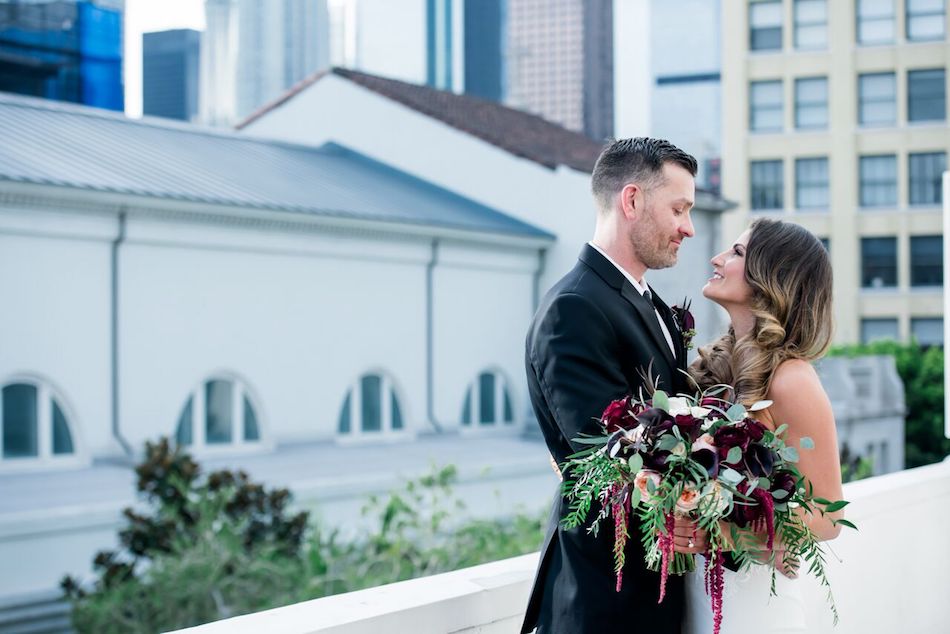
(658, 230)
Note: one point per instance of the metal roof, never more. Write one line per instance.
(53, 143)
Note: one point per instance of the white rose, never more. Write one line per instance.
(679, 406)
(699, 412)
(720, 496)
(704, 442)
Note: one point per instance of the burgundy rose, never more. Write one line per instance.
(729, 436)
(618, 415)
(687, 321)
(688, 424)
(784, 481)
(745, 512)
(756, 429)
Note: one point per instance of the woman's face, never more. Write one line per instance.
(728, 286)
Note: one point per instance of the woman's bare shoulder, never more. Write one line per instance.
(796, 384)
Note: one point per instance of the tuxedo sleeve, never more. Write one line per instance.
(574, 357)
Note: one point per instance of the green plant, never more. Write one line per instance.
(212, 547)
(855, 467)
(921, 370)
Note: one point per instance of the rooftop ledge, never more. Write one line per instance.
(891, 575)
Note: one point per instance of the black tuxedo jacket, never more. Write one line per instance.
(593, 340)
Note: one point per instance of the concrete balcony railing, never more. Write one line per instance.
(893, 576)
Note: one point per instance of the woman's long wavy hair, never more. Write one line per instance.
(790, 275)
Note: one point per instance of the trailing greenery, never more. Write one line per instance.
(921, 370)
(216, 546)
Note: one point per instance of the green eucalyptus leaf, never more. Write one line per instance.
(734, 455)
(731, 476)
(736, 412)
(781, 429)
(764, 483)
(635, 498)
(781, 494)
(635, 462)
(790, 454)
(667, 442)
(661, 400)
(807, 442)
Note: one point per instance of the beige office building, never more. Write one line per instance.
(835, 117)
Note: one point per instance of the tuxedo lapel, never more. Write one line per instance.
(673, 326)
(647, 313)
(642, 307)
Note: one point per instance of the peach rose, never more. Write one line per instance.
(688, 500)
(642, 478)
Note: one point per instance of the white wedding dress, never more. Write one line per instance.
(747, 607)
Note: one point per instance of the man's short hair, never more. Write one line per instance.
(638, 160)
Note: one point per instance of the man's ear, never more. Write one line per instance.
(632, 200)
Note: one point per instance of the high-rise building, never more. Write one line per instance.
(484, 49)
(253, 50)
(69, 51)
(560, 57)
(835, 117)
(170, 74)
(685, 91)
(455, 45)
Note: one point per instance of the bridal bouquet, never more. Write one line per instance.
(707, 459)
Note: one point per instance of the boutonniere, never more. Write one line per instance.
(685, 322)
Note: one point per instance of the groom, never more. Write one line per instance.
(597, 334)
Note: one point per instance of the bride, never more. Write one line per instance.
(775, 283)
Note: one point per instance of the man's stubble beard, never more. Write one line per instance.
(651, 249)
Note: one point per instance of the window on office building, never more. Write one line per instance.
(811, 24)
(925, 170)
(928, 331)
(875, 21)
(926, 95)
(926, 261)
(878, 262)
(811, 183)
(765, 25)
(877, 99)
(767, 189)
(811, 102)
(926, 20)
(878, 181)
(765, 106)
(878, 329)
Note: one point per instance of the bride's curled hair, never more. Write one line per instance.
(789, 272)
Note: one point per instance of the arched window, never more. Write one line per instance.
(371, 406)
(34, 423)
(220, 412)
(487, 402)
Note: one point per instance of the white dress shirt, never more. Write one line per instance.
(641, 288)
